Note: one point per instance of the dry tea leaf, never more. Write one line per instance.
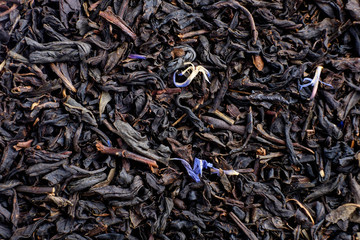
(177, 52)
(258, 62)
(81, 112)
(90, 104)
(344, 212)
(105, 98)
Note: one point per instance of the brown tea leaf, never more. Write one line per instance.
(105, 98)
(344, 212)
(258, 62)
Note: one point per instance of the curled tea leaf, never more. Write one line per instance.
(81, 112)
(344, 212)
(105, 98)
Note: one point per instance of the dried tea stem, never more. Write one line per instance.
(247, 231)
(119, 22)
(124, 153)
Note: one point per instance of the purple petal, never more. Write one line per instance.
(136, 56)
(198, 166)
(305, 85)
(190, 172)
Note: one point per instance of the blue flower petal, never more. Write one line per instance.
(189, 170)
(183, 84)
(198, 166)
(136, 56)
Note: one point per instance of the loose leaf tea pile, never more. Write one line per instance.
(172, 119)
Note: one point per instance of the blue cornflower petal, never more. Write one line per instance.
(183, 84)
(311, 82)
(199, 165)
(327, 84)
(136, 56)
(189, 170)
